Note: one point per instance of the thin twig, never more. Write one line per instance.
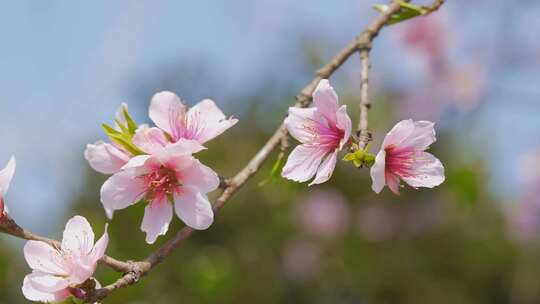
(364, 136)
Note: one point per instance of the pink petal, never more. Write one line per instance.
(100, 247)
(422, 136)
(298, 122)
(303, 163)
(32, 293)
(78, 236)
(401, 131)
(157, 217)
(428, 171)
(167, 111)
(184, 147)
(326, 169)
(6, 175)
(119, 116)
(193, 208)
(42, 257)
(205, 121)
(392, 181)
(122, 190)
(325, 100)
(47, 282)
(150, 140)
(377, 172)
(105, 157)
(344, 123)
(199, 176)
(137, 162)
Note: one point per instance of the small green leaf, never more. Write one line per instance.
(360, 157)
(276, 169)
(122, 139)
(122, 127)
(110, 130)
(349, 157)
(132, 125)
(407, 11)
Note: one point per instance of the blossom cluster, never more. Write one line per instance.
(325, 129)
(157, 166)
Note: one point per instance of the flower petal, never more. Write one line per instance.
(303, 163)
(298, 122)
(78, 236)
(150, 140)
(206, 121)
(392, 181)
(6, 175)
(105, 157)
(428, 171)
(422, 136)
(199, 176)
(157, 217)
(377, 172)
(344, 123)
(43, 257)
(47, 282)
(401, 131)
(326, 169)
(193, 208)
(122, 190)
(98, 251)
(167, 111)
(34, 293)
(184, 147)
(325, 100)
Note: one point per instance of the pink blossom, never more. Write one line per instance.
(169, 175)
(202, 122)
(323, 130)
(324, 214)
(107, 158)
(6, 175)
(57, 272)
(402, 157)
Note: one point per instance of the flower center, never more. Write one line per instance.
(161, 182)
(324, 133)
(400, 161)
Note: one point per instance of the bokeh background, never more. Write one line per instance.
(472, 68)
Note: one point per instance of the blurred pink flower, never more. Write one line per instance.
(6, 175)
(324, 214)
(301, 259)
(170, 175)
(323, 130)
(376, 223)
(108, 158)
(58, 272)
(402, 156)
(202, 122)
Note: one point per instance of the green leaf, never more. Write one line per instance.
(276, 169)
(122, 127)
(360, 157)
(131, 124)
(406, 12)
(122, 139)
